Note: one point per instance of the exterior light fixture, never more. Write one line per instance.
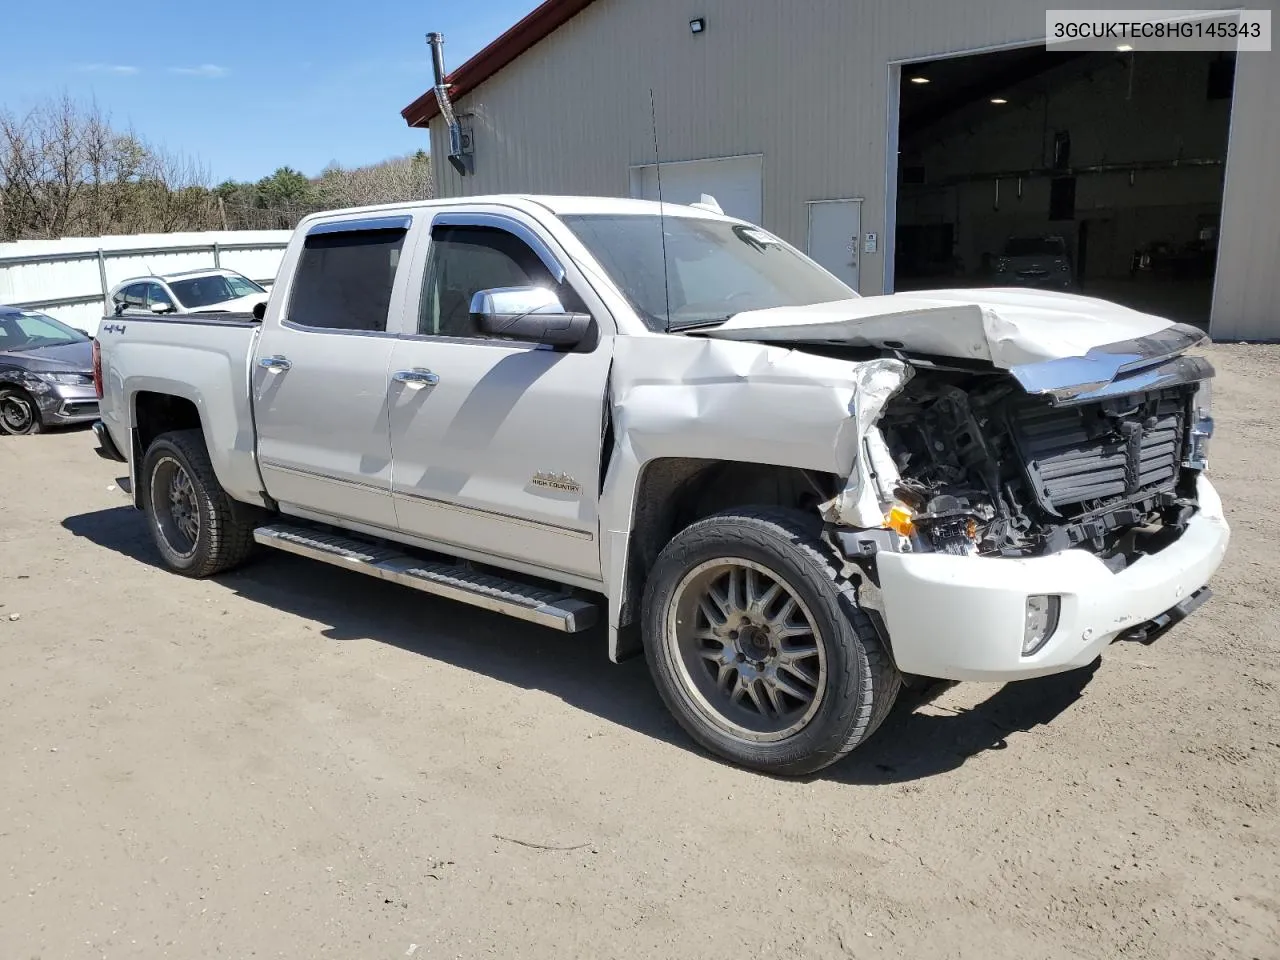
(919, 79)
(1125, 47)
(697, 25)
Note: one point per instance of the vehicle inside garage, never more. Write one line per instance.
(1093, 173)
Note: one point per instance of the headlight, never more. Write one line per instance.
(1042, 620)
(77, 379)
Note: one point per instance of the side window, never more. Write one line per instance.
(134, 296)
(466, 260)
(344, 280)
(156, 294)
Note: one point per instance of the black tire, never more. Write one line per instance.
(858, 682)
(19, 413)
(220, 541)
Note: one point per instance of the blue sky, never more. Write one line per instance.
(247, 86)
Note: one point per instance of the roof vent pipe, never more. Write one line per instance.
(457, 159)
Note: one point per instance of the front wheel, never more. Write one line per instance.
(19, 415)
(758, 646)
(192, 520)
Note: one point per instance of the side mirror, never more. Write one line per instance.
(259, 310)
(158, 308)
(533, 314)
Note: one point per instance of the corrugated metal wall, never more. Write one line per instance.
(809, 86)
(64, 278)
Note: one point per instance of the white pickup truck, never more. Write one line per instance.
(794, 499)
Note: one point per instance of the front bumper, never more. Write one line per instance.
(962, 618)
(63, 404)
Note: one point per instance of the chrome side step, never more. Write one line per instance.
(522, 601)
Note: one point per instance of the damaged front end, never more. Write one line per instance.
(1100, 453)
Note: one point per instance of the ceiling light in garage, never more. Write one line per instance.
(698, 25)
(999, 100)
(919, 79)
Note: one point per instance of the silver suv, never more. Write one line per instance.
(190, 291)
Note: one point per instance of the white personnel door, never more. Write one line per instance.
(834, 230)
(737, 183)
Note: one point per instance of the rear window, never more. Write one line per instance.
(344, 280)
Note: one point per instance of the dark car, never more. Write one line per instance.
(1035, 262)
(46, 373)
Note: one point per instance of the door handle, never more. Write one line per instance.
(275, 364)
(416, 378)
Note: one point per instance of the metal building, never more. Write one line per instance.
(902, 143)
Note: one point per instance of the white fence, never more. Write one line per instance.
(69, 278)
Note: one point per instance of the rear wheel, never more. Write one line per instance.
(19, 415)
(758, 646)
(192, 520)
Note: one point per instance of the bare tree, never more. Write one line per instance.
(174, 192)
(66, 169)
(402, 178)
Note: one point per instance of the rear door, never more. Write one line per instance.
(499, 450)
(320, 375)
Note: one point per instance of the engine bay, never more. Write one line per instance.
(988, 469)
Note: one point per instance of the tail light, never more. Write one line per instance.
(97, 367)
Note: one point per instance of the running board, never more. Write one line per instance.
(522, 601)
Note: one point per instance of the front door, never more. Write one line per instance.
(497, 444)
(320, 374)
(834, 227)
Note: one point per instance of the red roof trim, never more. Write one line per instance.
(538, 25)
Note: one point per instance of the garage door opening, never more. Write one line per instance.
(1093, 173)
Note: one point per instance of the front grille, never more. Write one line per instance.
(1078, 456)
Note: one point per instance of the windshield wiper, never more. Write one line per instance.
(698, 324)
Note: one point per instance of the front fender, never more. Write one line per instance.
(44, 393)
(687, 397)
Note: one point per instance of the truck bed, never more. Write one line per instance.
(203, 358)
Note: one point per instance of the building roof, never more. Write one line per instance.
(538, 25)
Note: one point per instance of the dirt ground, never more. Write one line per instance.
(297, 761)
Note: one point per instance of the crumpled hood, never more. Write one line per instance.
(1005, 326)
(68, 358)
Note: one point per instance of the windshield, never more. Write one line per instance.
(243, 286)
(715, 268)
(28, 330)
(1034, 247)
(203, 291)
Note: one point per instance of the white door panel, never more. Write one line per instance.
(735, 182)
(323, 430)
(834, 229)
(320, 374)
(502, 454)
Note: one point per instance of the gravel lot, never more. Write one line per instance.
(297, 761)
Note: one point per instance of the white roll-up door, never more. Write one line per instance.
(737, 183)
